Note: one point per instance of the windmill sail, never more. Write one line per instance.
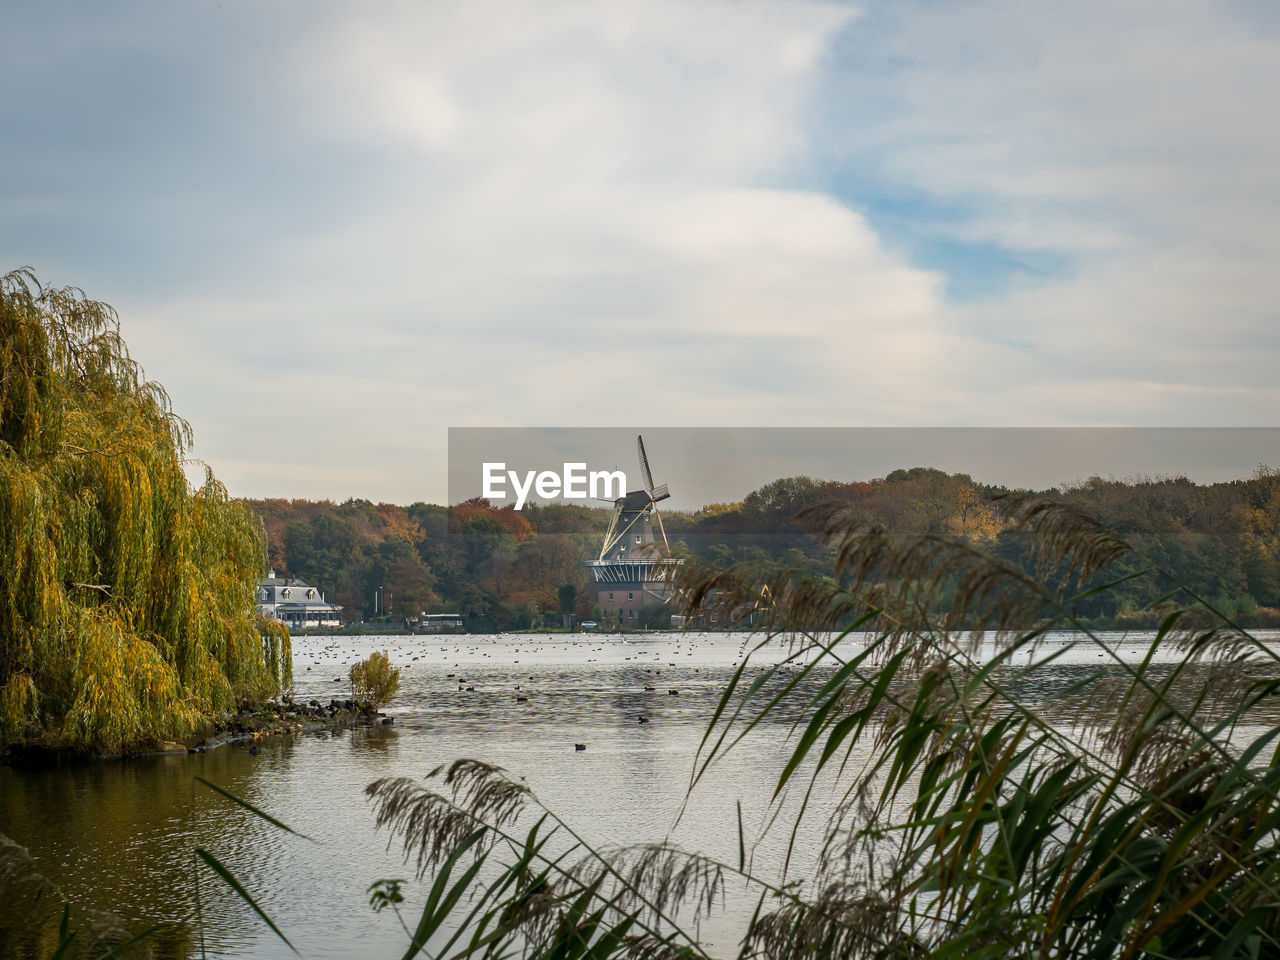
(656, 492)
(644, 464)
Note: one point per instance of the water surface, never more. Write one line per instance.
(119, 836)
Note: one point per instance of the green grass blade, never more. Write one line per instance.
(118, 949)
(216, 866)
(441, 898)
(742, 846)
(251, 808)
(65, 935)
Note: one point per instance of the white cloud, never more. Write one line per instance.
(581, 229)
(1132, 140)
(341, 231)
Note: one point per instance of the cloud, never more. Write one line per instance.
(334, 233)
(1131, 140)
(580, 226)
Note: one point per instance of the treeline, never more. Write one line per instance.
(498, 567)
(503, 569)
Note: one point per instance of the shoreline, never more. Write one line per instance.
(275, 718)
(1264, 618)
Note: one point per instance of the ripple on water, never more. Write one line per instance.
(119, 836)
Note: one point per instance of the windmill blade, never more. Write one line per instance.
(661, 528)
(644, 464)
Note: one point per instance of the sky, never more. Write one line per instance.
(333, 231)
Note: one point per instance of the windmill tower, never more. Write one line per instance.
(632, 569)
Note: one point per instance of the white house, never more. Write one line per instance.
(296, 603)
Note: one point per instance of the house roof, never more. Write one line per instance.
(282, 582)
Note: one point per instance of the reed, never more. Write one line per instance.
(982, 824)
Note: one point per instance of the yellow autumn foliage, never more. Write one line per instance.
(374, 679)
(126, 595)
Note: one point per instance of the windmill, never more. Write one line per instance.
(630, 532)
(632, 569)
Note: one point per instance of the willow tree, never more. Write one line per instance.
(126, 595)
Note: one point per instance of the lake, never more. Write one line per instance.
(119, 836)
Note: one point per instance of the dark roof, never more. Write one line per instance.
(282, 582)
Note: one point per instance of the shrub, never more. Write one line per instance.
(375, 679)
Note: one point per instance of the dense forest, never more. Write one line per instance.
(503, 569)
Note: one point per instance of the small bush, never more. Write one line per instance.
(375, 679)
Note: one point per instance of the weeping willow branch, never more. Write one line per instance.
(126, 596)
